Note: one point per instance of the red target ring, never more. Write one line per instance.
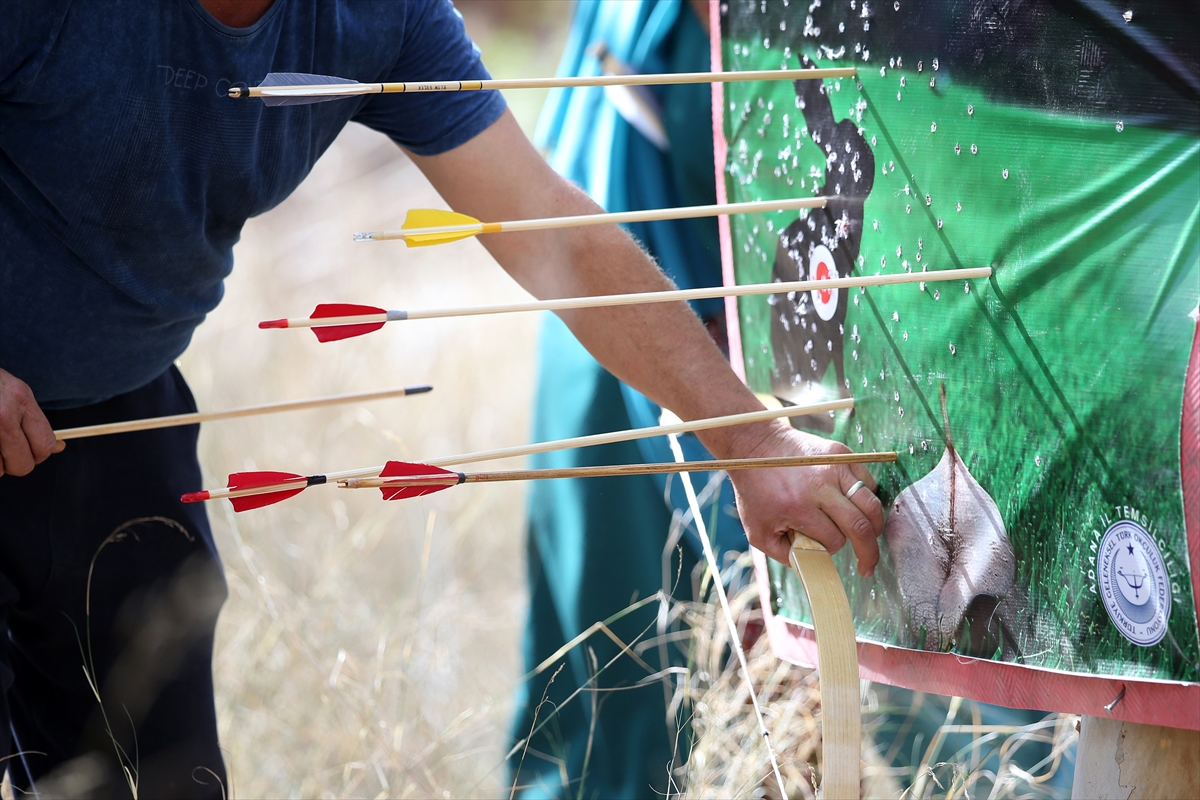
(821, 267)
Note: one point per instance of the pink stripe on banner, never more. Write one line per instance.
(1171, 704)
(1189, 464)
(720, 154)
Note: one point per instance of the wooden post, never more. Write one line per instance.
(1120, 760)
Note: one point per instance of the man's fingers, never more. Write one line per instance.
(59, 445)
(776, 545)
(26, 438)
(812, 501)
(40, 436)
(821, 529)
(861, 473)
(868, 503)
(14, 450)
(859, 529)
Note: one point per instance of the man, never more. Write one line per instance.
(127, 175)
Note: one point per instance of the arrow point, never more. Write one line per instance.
(194, 497)
(422, 389)
(273, 323)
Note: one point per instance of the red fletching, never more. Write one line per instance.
(249, 480)
(332, 333)
(439, 479)
(343, 310)
(405, 492)
(405, 469)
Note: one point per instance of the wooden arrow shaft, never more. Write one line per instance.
(644, 433)
(561, 444)
(174, 420)
(618, 470)
(550, 83)
(637, 298)
(687, 295)
(726, 464)
(615, 218)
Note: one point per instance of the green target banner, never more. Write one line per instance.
(1043, 526)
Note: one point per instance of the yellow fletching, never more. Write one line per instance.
(434, 218)
(426, 239)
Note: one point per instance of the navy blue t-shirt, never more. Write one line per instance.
(126, 173)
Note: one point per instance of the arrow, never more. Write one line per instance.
(152, 423)
(333, 321)
(247, 490)
(298, 88)
(426, 226)
(401, 479)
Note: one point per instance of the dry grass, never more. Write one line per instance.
(365, 645)
(729, 758)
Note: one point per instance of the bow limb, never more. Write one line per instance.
(837, 667)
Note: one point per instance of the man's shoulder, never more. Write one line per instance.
(434, 46)
(392, 23)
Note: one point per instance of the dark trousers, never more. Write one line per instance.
(109, 595)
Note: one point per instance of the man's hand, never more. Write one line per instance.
(26, 438)
(810, 500)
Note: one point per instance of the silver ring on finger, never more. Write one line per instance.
(853, 489)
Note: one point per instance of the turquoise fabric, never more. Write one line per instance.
(593, 146)
(595, 546)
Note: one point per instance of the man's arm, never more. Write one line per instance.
(660, 349)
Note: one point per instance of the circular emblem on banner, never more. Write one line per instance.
(1131, 577)
(822, 268)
